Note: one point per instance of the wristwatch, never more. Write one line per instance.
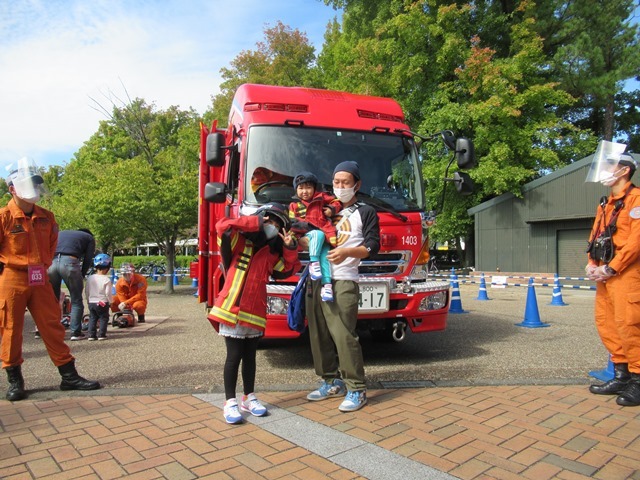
(609, 270)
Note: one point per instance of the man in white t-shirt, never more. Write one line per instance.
(332, 325)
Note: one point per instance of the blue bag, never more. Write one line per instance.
(296, 310)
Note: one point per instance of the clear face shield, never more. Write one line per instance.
(26, 179)
(126, 270)
(605, 161)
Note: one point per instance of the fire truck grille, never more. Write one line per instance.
(383, 263)
(387, 263)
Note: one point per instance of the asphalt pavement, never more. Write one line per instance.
(177, 350)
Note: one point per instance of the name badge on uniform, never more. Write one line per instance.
(635, 213)
(36, 275)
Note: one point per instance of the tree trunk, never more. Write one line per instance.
(171, 255)
(607, 133)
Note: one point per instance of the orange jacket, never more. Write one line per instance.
(626, 239)
(26, 240)
(134, 291)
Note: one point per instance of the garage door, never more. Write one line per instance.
(571, 252)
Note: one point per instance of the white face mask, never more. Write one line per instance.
(344, 194)
(608, 178)
(271, 231)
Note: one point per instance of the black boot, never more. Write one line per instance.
(617, 384)
(141, 318)
(72, 381)
(16, 384)
(631, 396)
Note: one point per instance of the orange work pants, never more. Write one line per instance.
(139, 307)
(617, 314)
(44, 307)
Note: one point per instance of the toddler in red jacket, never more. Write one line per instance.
(311, 218)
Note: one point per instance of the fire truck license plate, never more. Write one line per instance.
(374, 297)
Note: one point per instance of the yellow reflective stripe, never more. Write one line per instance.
(224, 315)
(234, 240)
(238, 277)
(243, 260)
(280, 265)
(252, 319)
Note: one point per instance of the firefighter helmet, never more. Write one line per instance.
(277, 212)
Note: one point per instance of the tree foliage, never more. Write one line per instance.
(284, 58)
(136, 179)
(533, 84)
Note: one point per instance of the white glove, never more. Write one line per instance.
(589, 269)
(601, 274)
(122, 306)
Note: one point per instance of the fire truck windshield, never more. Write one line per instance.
(389, 164)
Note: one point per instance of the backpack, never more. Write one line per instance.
(296, 310)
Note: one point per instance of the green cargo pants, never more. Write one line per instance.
(332, 331)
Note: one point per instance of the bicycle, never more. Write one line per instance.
(152, 268)
(432, 266)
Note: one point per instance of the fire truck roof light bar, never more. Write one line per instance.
(380, 116)
(276, 107)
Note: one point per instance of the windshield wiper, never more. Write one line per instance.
(377, 203)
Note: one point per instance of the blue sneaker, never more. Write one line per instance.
(251, 404)
(328, 389)
(314, 271)
(354, 400)
(231, 413)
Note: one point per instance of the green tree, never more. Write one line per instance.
(285, 57)
(593, 51)
(509, 108)
(135, 179)
(476, 68)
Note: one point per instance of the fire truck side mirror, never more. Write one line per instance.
(465, 155)
(215, 192)
(463, 182)
(215, 149)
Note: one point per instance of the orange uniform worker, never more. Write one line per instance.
(131, 292)
(615, 266)
(28, 237)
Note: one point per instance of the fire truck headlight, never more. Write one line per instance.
(277, 306)
(419, 272)
(434, 302)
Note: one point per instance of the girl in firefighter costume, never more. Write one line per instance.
(252, 248)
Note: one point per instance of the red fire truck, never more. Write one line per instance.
(276, 132)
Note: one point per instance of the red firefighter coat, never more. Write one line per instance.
(243, 298)
(307, 215)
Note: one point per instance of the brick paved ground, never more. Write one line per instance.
(502, 432)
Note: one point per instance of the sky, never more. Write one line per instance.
(59, 57)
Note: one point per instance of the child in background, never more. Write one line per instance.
(311, 217)
(98, 294)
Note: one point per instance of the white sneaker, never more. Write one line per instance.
(231, 413)
(251, 404)
(314, 271)
(326, 294)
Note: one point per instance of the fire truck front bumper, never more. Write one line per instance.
(384, 303)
